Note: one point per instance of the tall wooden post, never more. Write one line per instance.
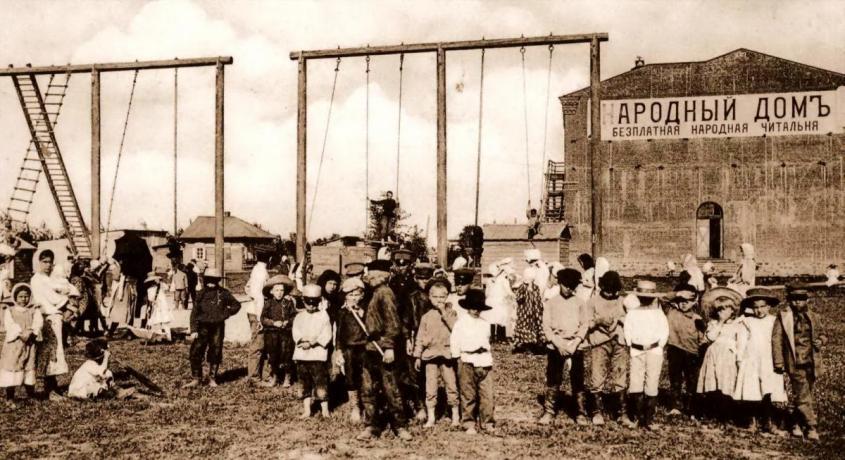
(95, 164)
(595, 149)
(301, 131)
(442, 240)
(219, 214)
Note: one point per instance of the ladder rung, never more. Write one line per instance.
(27, 178)
(30, 169)
(25, 189)
(21, 199)
(18, 210)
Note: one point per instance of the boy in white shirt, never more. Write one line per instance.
(470, 344)
(312, 332)
(646, 333)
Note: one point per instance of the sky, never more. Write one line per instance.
(260, 97)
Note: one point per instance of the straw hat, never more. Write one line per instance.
(352, 284)
(710, 296)
(274, 281)
(759, 293)
(646, 289)
(213, 273)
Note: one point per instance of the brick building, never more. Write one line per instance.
(699, 157)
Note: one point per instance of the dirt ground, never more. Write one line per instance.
(236, 421)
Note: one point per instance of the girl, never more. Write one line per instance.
(159, 305)
(529, 298)
(93, 378)
(312, 333)
(717, 377)
(757, 384)
(23, 323)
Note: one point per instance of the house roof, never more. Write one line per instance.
(202, 228)
(518, 232)
(758, 73)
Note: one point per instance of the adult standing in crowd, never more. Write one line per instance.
(255, 289)
(180, 286)
(51, 296)
(192, 280)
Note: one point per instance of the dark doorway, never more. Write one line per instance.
(709, 228)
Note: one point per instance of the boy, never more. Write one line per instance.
(351, 342)
(797, 340)
(215, 304)
(470, 344)
(565, 323)
(608, 355)
(432, 349)
(312, 333)
(646, 333)
(686, 335)
(277, 318)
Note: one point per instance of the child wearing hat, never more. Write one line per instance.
(608, 355)
(312, 333)
(432, 350)
(566, 320)
(717, 377)
(277, 316)
(160, 307)
(463, 282)
(93, 378)
(646, 333)
(23, 323)
(528, 333)
(686, 335)
(470, 344)
(797, 342)
(758, 386)
(350, 342)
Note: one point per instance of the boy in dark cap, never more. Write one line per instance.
(797, 339)
(463, 281)
(608, 355)
(384, 331)
(566, 320)
(686, 335)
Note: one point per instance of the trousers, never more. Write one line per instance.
(314, 378)
(255, 353)
(803, 380)
(554, 371)
(379, 378)
(440, 369)
(645, 373)
(683, 373)
(208, 345)
(608, 368)
(476, 393)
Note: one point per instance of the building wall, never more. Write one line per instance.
(335, 257)
(515, 249)
(233, 261)
(783, 194)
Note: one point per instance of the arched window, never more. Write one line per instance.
(709, 227)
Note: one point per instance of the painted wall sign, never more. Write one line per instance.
(742, 115)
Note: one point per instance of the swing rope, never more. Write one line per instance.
(399, 122)
(480, 124)
(120, 149)
(546, 116)
(175, 149)
(525, 119)
(367, 149)
(323, 149)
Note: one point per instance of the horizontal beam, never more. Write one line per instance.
(116, 66)
(449, 46)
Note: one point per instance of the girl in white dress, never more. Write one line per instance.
(717, 378)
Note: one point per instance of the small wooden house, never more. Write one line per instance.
(511, 240)
(241, 240)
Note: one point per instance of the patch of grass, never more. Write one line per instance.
(234, 420)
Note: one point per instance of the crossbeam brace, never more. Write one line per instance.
(117, 66)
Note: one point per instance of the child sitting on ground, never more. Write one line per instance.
(470, 344)
(432, 350)
(23, 323)
(312, 333)
(93, 378)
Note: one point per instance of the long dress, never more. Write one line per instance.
(529, 315)
(124, 295)
(719, 367)
(500, 296)
(17, 359)
(162, 310)
(756, 376)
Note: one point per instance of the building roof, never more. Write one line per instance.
(746, 71)
(519, 232)
(202, 228)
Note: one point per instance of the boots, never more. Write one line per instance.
(635, 405)
(581, 407)
(430, 417)
(548, 414)
(456, 416)
(212, 375)
(598, 409)
(324, 409)
(649, 406)
(354, 411)
(306, 408)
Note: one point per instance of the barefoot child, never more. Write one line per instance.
(470, 344)
(432, 350)
(312, 333)
(93, 378)
(23, 323)
(277, 318)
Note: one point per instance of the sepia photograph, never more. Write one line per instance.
(431, 229)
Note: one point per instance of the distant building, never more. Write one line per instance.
(509, 240)
(334, 254)
(699, 157)
(153, 238)
(241, 241)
